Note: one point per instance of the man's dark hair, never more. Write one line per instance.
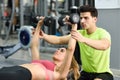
(88, 8)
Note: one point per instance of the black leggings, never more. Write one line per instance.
(15, 73)
(92, 76)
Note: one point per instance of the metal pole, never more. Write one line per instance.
(21, 13)
(81, 2)
(73, 2)
(10, 21)
(45, 7)
(66, 5)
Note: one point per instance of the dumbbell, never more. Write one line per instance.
(47, 21)
(74, 17)
(25, 36)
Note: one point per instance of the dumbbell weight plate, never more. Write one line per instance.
(47, 21)
(60, 21)
(74, 18)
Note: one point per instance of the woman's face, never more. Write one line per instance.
(59, 55)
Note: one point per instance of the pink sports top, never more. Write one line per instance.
(47, 65)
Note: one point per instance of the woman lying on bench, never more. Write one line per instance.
(63, 62)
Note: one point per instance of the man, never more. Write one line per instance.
(94, 42)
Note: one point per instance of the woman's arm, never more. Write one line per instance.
(64, 68)
(55, 39)
(35, 42)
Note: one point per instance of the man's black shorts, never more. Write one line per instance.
(92, 76)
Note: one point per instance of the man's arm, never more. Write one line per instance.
(97, 44)
(102, 44)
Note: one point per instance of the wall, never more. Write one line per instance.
(110, 20)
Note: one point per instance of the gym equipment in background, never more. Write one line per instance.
(24, 38)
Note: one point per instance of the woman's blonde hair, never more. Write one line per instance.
(75, 68)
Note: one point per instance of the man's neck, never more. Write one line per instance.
(91, 30)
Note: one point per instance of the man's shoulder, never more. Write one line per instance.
(101, 29)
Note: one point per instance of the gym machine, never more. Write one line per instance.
(24, 38)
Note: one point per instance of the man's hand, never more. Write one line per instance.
(77, 36)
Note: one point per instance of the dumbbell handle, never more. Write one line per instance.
(47, 20)
(38, 18)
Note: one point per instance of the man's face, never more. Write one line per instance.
(86, 20)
